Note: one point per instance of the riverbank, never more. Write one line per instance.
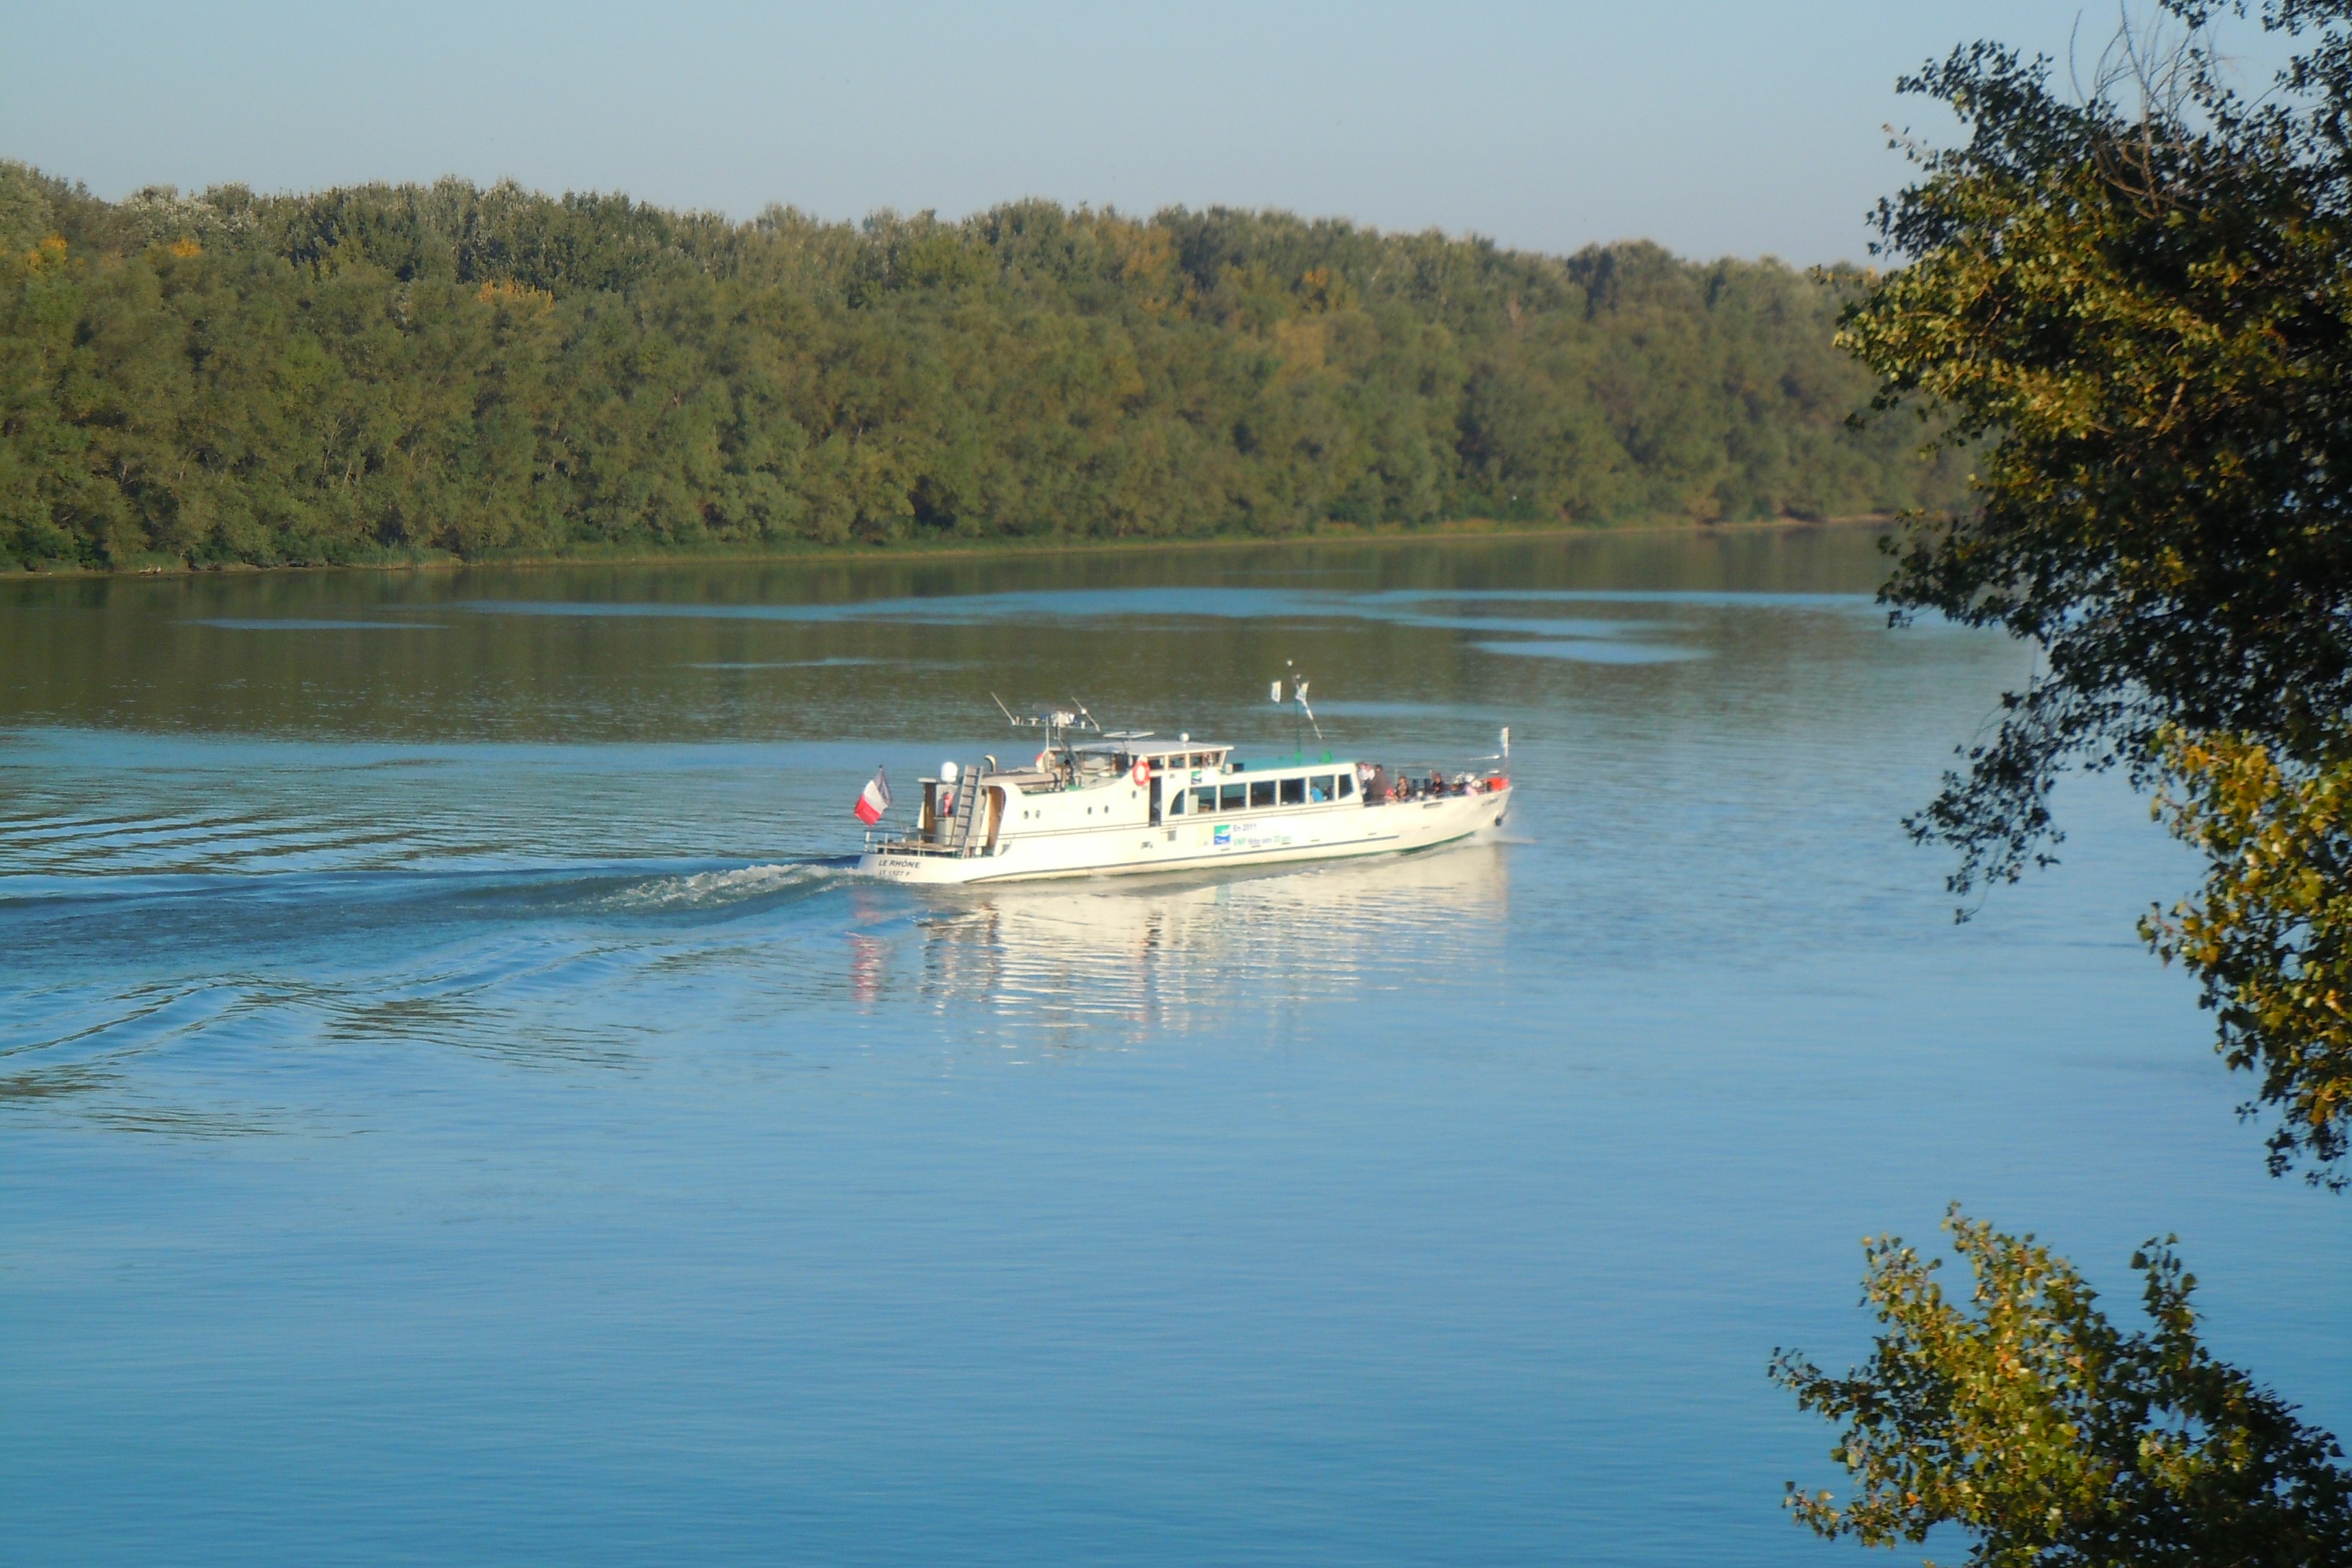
(951, 549)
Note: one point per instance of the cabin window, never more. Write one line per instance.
(1262, 792)
(1176, 806)
(1235, 797)
(1318, 788)
(1347, 785)
(1294, 792)
(1204, 799)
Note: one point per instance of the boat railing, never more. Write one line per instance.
(906, 843)
(1409, 782)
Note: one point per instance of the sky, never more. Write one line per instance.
(1713, 127)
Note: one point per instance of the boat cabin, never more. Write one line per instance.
(1227, 787)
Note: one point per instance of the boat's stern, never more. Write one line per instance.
(894, 864)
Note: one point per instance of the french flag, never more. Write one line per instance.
(874, 799)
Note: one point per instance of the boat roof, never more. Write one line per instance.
(1296, 760)
(1124, 740)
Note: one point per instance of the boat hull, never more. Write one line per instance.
(1341, 831)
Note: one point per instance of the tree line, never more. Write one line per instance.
(393, 371)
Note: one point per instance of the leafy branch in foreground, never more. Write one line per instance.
(2138, 304)
(2144, 315)
(2271, 936)
(2050, 1437)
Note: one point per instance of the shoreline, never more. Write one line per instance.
(954, 550)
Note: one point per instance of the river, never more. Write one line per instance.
(456, 1107)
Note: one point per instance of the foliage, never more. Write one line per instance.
(2137, 302)
(2145, 314)
(2050, 1437)
(383, 370)
(24, 214)
(2270, 938)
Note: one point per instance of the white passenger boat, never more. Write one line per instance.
(1095, 803)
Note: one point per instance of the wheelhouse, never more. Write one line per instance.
(1192, 779)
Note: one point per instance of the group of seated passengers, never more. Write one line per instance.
(1381, 785)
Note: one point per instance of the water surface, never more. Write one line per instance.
(458, 1107)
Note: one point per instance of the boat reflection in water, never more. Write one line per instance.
(1137, 955)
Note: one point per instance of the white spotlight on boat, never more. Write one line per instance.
(948, 771)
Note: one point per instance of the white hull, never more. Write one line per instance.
(1125, 842)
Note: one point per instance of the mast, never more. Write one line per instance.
(1297, 695)
(1056, 722)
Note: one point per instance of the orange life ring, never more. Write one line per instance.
(1040, 761)
(1140, 773)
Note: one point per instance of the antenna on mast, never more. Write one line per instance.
(1054, 721)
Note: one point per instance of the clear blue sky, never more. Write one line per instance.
(1712, 126)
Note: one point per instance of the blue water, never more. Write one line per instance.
(458, 1107)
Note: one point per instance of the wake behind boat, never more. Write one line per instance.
(1096, 803)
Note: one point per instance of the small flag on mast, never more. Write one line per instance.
(874, 799)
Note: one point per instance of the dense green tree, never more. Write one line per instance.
(24, 214)
(2139, 301)
(2053, 1439)
(388, 372)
